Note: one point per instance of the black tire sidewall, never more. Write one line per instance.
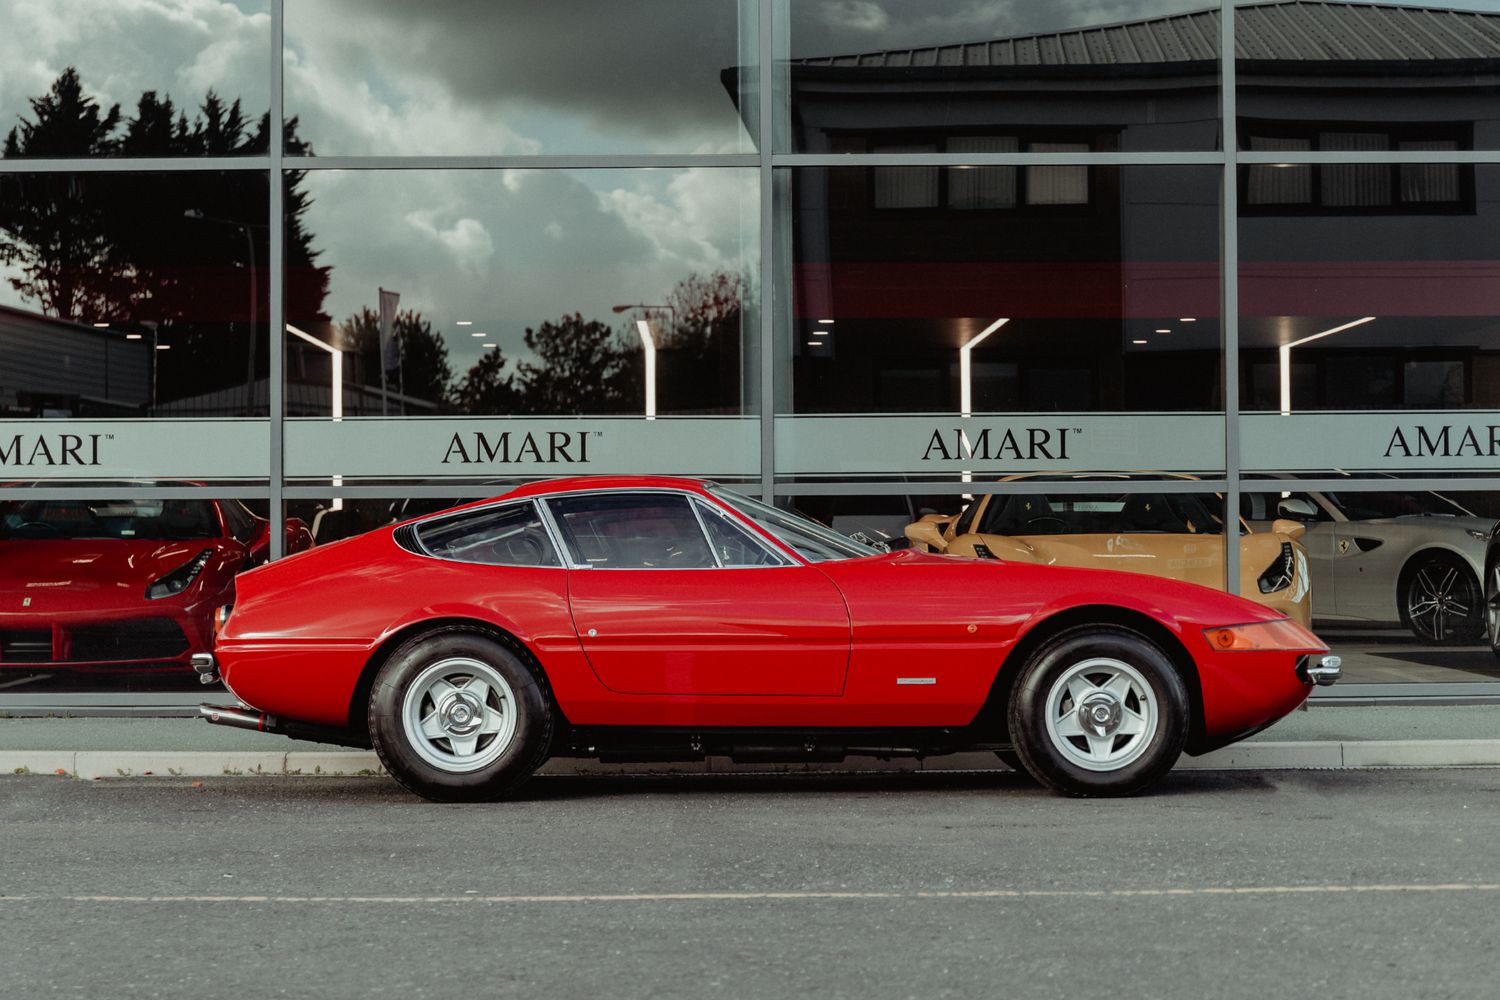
(528, 746)
(1028, 711)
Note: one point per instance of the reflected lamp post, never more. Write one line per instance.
(648, 345)
(198, 215)
(336, 388)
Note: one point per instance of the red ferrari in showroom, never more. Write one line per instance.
(121, 585)
(655, 619)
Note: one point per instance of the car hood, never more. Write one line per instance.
(33, 568)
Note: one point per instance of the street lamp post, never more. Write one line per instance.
(198, 215)
(648, 346)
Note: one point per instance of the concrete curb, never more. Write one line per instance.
(1258, 756)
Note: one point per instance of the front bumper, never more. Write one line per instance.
(206, 668)
(100, 640)
(1323, 669)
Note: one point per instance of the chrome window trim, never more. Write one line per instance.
(703, 530)
(687, 494)
(781, 559)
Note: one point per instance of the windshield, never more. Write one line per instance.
(153, 519)
(1370, 506)
(808, 539)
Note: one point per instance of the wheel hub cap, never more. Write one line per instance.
(461, 714)
(1100, 714)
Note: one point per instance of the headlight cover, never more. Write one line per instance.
(1282, 634)
(1278, 575)
(179, 579)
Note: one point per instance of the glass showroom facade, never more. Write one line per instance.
(275, 272)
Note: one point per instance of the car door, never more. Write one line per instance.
(671, 597)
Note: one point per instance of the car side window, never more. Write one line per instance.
(632, 531)
(241, 524)
(732, 543)
(512, 535)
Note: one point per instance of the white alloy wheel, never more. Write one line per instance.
(1101, 714)
(459, 715)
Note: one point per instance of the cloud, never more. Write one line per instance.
(508, 250)
(466, 240)
(579, 76)
(180, 48)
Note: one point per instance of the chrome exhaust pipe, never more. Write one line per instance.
(239, 717)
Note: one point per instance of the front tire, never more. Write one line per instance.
(1440, 600)
(1099, 711)
(457, 716)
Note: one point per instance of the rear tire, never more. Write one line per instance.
(1099, 711)
(457, 716)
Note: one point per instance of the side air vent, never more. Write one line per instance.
(406, 537)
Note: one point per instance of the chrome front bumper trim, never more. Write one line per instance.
(208, 670)
(1320, 670)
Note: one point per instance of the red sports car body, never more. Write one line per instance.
(655, 619)
(121, 585)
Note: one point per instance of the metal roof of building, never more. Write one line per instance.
(1291, 30)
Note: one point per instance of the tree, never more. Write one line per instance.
(50, 228)
(584, 369)
(699, 352)
(424, 371)
(486, 390)
(186, 253)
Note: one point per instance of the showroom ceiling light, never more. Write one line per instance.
(965, 367)
(101, 326)
(466, 322)
(1284, 358)
(1163, 330)
(163, 347)
(1187, 319)
(1138, 341)
(133, 336)
(826, 322)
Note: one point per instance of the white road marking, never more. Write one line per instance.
(790, 895)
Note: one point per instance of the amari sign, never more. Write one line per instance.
(196, 450)
(998, 445)
(477, 447)
(1442, 441)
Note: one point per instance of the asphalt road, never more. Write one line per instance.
(1342, 884)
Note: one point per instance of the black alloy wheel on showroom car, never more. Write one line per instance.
(1099, 710)
(1440, 599)
(1492, 591)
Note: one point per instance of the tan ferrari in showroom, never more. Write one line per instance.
(1173, 535)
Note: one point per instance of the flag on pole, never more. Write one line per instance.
(390, 349)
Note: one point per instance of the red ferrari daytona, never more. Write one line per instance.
(653, 619)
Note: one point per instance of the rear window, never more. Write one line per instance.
(494, 536)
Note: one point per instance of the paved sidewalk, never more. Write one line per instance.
(1321, 737)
